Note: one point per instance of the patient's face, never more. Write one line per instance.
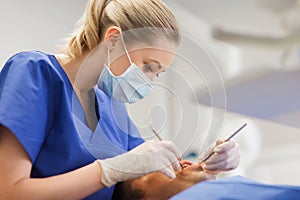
(159, 186)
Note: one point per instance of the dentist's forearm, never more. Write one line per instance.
(15, 181)
(77, 184)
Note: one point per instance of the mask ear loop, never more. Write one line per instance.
(142, 77)
(126, 51)
(108, 58)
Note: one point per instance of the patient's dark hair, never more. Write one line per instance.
(124, 191)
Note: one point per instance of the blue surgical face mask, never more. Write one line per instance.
(130, 87)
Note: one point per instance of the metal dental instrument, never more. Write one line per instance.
(211, 151)
(155, 133)
(159, 138)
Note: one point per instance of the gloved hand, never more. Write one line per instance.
(225, 158)
(161, 156)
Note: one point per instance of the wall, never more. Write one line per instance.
(36, 25)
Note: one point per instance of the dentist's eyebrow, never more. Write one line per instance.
(158, 63)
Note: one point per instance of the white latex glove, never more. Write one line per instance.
(225, 158)
(161, 156)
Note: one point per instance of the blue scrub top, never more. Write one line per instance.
(38, 105)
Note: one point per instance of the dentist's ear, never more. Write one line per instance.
(112, 36)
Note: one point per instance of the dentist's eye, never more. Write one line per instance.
(148, 68)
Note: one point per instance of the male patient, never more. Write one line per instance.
(158, 186)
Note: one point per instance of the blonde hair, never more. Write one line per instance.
(126, 14)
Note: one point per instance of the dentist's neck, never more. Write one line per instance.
(84, 71)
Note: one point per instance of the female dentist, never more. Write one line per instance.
(63, 138)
